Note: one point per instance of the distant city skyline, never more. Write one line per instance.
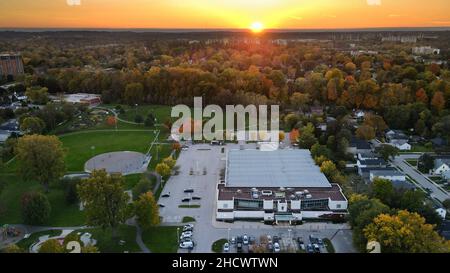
(230, 14)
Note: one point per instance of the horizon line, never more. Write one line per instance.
(273, 30)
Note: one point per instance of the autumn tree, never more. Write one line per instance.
(438, 101)
(41, 158)
(32, 125)
(376, 122)
(365, 132)
(300, 100)
(104, 200)
(405, 232)
(51, 246)
(169, 161)
(146, 210)
(163, 169)
(421, 96)
(134, 93)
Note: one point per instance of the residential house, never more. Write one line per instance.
(401, 144)
(395, 134)
(441, 165)
(444, 229)
(438, 142)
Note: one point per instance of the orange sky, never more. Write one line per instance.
(224, 13)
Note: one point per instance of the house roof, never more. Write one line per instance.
(360, 144)
(372, 162)
(399, 142)
(438, 141)
(445, 229)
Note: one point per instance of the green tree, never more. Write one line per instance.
(446, 203)
(105, 200)
(150, 120)
(383, 190)
(405, 232)
(37, 95)
(41, 158)
(143, 186)
(35, 208)
(388, 151)
(146, 209)
(32, 125)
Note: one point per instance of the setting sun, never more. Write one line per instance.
(257, 27)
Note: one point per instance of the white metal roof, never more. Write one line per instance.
(279, 168)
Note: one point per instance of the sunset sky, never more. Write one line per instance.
(304, 14)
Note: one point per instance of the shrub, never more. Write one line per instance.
(12, 249)
(138, 119)
(35, 208)
(143, 186)
(150, 120)
(51, 246)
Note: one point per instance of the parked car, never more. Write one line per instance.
(251, 240)
(313, 239)
(245, 240)
(239, 247)
(270, 247)
(166, 195)
(310, 248)
(189, 190)
(276, 247)
(316, 248)
(233, 240)
(226, 247)
(269, 239)
(185, 200)
(276, 239)
(188, 228)
(196, 198)
(186, 234)
(320, 242)
(187, 245)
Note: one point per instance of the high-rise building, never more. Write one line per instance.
(11, 65)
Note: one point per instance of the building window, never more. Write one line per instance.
(317, 204)
(225, 206)
(242, 204)
(338, 206)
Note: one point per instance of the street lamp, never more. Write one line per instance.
(228, 236)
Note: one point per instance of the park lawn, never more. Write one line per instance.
(131, 180)
(78, 146)
(61, 214)
(161, 112)
(106, 244)
(421, 149)
(26, 243)
(161, 239)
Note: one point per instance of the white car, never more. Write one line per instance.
(245, 240)
(187, 234)
(188, 227)
(276, 247)
(269, 239)
(187, 245)
(226, 247)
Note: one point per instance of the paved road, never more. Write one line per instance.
(437, 191)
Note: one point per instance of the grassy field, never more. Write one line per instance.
(79, 150)
(162, 239)
(412, 162)
(62, 214)
(420, 149)
(160, 112)
(106, 244)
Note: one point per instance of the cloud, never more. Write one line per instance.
(296, 18)
(73, 2)
(374, 2)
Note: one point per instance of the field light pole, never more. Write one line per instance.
(92, 153)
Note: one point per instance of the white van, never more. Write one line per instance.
(266, 193)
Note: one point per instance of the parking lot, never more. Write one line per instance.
(199, 169)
